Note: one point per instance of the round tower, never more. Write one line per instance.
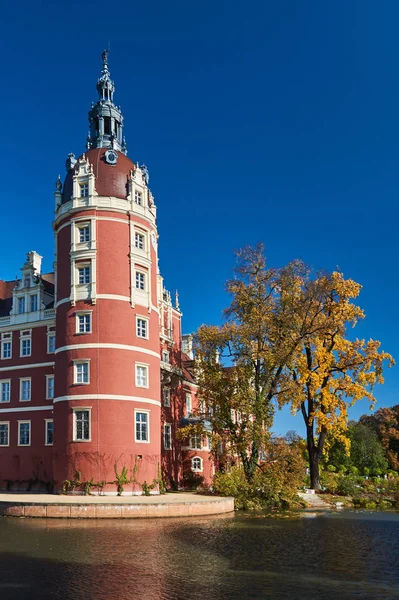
(107, 363)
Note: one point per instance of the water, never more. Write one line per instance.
(345, 555)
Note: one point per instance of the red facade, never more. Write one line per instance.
(93, 378)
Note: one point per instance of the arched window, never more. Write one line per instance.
(196, 464)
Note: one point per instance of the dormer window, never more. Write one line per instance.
(33, 303)
(138, 198)
(27, 281)
(21, 306)
(84, 190)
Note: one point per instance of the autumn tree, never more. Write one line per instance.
(242, 365)
(330, 372)
(385, 423)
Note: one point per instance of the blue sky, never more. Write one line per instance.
(259, 121)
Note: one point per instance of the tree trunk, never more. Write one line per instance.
(314, 464)
(250, 463)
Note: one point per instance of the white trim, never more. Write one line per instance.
(33, 366)
(105, 297)
(48, 377)
(81, 361)
(25, 409)
(2, 381)
(46, 443)
(110, 346)
(31, 324)
(147, 370)
(8, 434)
(74, 411)
(21, 381)
(106, 397)
(19, 432)
(201, 469)
(141, 411)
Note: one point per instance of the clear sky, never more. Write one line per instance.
(258, 121)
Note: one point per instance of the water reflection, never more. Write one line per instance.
(227, 558)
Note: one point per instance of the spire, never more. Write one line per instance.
(105, 118)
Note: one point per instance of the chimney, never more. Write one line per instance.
(187, 345)
(34, 259)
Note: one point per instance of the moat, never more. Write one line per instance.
(345, 555)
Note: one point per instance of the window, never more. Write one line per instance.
(139, 241)
(6, 348)
(5, 433)
(167, 436)
(84, 274)
(25, 343)
(26, 346)
(142, 325)
(189, 404)
(138, 198)
(166, 396)
(165, 356)
(140, 280)
(196, 442)
(23, 433)
(49, 387)
(142, 431)
(24, 389)
(84, 190)
(48, 432)
(84, 233)
(51, 343)
(196, 464)
(33, 303)
(142, 376)
(21, 306)
(81, 425)
(83, 324)
(81, 372)
(27, 281)
(5, 390)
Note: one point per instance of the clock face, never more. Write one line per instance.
(111, 157)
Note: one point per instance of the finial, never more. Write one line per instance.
(58, 184)
(177, 305)
(104, 56)
(88, 142)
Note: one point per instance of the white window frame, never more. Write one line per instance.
(140, 318)
(22, 380)
(7, 423)
(75, 371)
(189, 403)
(50, 335)
(83, 188)
(82, 267)
(138, 197)
(196, 469)
(166, 356)
(6, 338)
(140, 237)
(144, 275)
(81, 228)
(166, 396)
(74, 411)
(193, 446)
(46, 442)
(136, 412)
(25, 336)
(83, 313)
(21, 302)
(31, 298)
(2, 383)
(19, 432)
(49, 378)
(167, 447)
(147, 368)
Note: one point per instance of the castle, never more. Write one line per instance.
(95, 374)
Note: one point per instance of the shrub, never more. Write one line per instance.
(346, 485)
(331, 468)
